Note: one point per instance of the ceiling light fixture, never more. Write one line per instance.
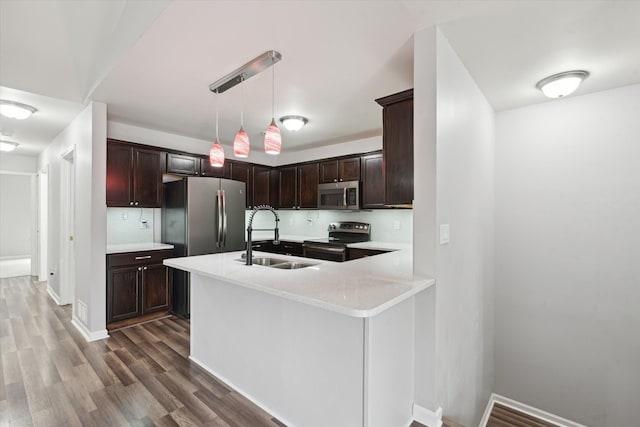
(241, 146)
(16, 110)
(216, 153)
(293, 123)
(562, 84)
(8, 145)
(272, 137)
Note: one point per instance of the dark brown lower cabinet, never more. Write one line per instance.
(357, 253)
(138, 285)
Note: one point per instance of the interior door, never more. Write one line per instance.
(202, 219)
(234, 195)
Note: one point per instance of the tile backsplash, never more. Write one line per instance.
(133, 225)
(389, 225)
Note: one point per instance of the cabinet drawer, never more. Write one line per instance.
(138, 258)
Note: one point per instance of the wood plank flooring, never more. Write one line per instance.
(140, 376)
(503, 416)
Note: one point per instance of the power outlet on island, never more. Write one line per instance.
(396, 225)
(444, 234)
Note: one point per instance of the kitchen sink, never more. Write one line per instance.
(293, 265)
(278, 263)
(266, 261)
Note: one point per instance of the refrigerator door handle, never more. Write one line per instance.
(224, 219)
(219, 219)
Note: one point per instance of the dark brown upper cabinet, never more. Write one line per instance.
(287, 187)
(308, 185)
(372, 181)
(183, 164)
(242, 172)
(265, 186)
(134, 176)
(340, 170)
(209, 171)
(397, 147)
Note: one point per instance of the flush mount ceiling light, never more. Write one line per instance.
(8, 145)
(562, 84)
(16, 110)
(293, 123)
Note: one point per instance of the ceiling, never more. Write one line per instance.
(152, 62)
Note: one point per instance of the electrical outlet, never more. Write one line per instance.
(143, 224)
(396, 225)
(125, 216)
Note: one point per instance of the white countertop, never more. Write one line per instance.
(358, 288)
(136, 247)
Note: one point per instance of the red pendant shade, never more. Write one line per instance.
(216, 155)
(272, 139)
(241, 146)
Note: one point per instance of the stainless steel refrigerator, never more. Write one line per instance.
(201, 216)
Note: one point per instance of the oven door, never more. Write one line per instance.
(335, 253)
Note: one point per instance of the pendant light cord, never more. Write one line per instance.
(242, 102)
(273, 89)
(217, 94)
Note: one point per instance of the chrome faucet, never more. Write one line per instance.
(276, 236)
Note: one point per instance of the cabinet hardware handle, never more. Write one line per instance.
(139, 268)
(136, 203)
(130, 203)
(144, 268)
(143, 257)
(196, 173)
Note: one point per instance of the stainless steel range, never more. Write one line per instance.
(334, 247)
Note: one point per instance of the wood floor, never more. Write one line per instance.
(503, 416)
(140, 376)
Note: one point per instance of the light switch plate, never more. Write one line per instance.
(444, 234)
(396, 225)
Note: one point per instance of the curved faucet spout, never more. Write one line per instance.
(276, 237)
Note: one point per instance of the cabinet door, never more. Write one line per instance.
(183, 164)
(372, 182)
(242, 172)
(262, 186)
(349, 169)
(147, 178)
(308, 185)
(156, 289)
(207, 170)
(287, 195)
(397, 147)
(329, 171)
(119, 175)
(123, 293)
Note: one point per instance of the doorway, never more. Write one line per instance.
(67, 228)
(43, 209)
(15, 224)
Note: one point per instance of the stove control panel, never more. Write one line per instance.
(349, 227)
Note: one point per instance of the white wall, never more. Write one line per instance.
(87, 132)
(16, 214)
(568, 256)
(157, 138)
(17, 163)
(450, 105)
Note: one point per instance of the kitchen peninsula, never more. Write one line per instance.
(330, 344)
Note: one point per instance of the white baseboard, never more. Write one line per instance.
(427, 417)
(86, 333)
(530, 410)
(242, 392)
(55, 297)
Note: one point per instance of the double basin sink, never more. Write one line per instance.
(282, 264)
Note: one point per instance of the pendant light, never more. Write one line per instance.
(272, 137)
(216, 154)
(241, 145)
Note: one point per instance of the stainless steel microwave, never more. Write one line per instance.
(339, 195)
